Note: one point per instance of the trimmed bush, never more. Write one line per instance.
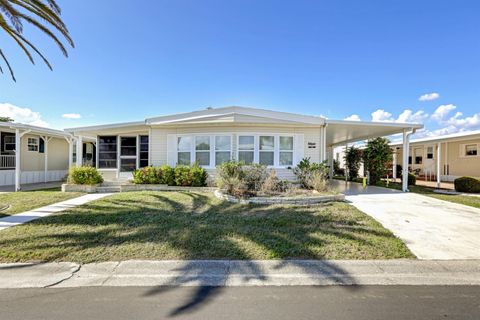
(168, 175)
(198, 176)
(467, 184)
(147, 175)
(84, 175)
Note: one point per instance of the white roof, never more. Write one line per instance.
(452, 136)
(34, 129)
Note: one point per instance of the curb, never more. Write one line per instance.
(241, 273)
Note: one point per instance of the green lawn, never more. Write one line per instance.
(181, 225)
(466, 200)
(28, 200)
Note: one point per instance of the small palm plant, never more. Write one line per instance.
(43, 14)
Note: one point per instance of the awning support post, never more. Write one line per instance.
(439, 153)
(394, 166)
(406, 151)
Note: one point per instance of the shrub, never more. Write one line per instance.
(304, 170)
(84, 175)
(353, 159)
(239, 179)
(168, 175)
(183, 176)
(376, 156)
(412, 179)
(318, 181)
(273, 185)
(198, 176)
(147, 175)
(467, 184)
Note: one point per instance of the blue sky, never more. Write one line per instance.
(331, 58)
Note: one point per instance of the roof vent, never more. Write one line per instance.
(209, 108)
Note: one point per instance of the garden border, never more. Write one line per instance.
(281, 200)
(131, 187)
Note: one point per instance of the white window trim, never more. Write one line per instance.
(6, 142)
(214, 139)
(463, 150)
(36, 144)
(292, 151)
(276, 151)
(212, 150)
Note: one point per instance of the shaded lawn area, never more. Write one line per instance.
(471, 201)
(28, 200)
(180, 225)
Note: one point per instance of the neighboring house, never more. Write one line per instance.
(444, 158)
(212, 136)
(43, 154)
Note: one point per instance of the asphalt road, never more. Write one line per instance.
(348, 302)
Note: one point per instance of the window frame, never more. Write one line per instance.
(276, 149)
(207, 151)
(211, 151)
(221, 150)
(280, 151)
(464, 150)
(98, 151)
(9, 143)
(255, 144)
(36, 144)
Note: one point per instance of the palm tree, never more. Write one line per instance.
(13, 13)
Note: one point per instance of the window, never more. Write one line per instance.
(266, 150)
(8, 143)
(429, 152)
(246, 149)
(223, 149)
(286, 151)
(418, 156)
(128, 154)
(471, 150)
(202, 150)
(107, 152)
(32, 144)
(184, 145)
(143, 155)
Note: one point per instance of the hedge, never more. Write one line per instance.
(187, 176)
(467, 184)
(84, 175)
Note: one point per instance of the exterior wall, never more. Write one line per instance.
(451, 157)
(35, 161)
(159, 141)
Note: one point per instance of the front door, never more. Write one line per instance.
(429, 164)
(128, 154)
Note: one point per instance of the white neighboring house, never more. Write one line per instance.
(212, 136)
(444, 158)
(31, 154)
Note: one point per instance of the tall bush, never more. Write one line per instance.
(376, 156)
(353, 160)
(305, 169)
(239, 179)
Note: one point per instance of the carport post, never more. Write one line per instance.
(394, 165)
(439, 153)
(79, 151)
(406, 151)
(18, 146)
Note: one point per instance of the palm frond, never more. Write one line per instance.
(14, 12)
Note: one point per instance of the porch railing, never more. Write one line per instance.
(7, 161)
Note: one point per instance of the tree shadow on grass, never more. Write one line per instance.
(191, 226)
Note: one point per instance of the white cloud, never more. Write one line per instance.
(22, 115)
(429, 96)
(71, 116)
(464, 124)
(382, 116)
(353, 117)
(442, 111)
(407, 115)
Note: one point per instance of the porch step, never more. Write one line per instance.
(108, 189)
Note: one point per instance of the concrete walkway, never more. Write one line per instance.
(27, 216)
(240, 273)
(431, 228)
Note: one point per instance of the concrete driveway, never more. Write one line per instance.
(431, 228)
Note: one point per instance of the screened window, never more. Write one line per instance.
(223, 149)
(266, 150)
(286, 151)
(471, 150)
(429, 152)
(143, 153)
(184, 145)
(32, 144)
(246, 149)
(107, 152)
(9, 143)
(202, 150)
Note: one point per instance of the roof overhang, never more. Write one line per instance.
(459, 136)
(35, 130)
(340, 132)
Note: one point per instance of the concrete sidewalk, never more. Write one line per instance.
(34, 214)
(241, 273)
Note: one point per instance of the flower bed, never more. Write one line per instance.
(302, 200)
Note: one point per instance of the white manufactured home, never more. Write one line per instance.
(212, 136)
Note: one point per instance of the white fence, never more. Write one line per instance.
(7, 161)
(7, 177)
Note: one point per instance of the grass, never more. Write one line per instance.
(28, 200)
(180, 225)
(471, 201)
